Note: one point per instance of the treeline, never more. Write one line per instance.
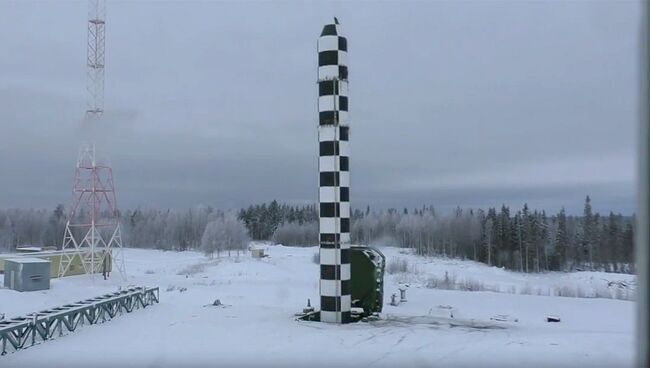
(143, 228)
(168, 229)
(264, 220)
(524, 240)
(31, 227)
(165, 229)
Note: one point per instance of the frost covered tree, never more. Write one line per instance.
(296, 234)
(7, 235)
(226, 233)
(524, 241)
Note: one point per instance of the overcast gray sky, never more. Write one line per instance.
(472, 103)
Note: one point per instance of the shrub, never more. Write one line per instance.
(192, 269)
(397, 265)
(448, 282)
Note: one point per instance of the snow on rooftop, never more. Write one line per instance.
(30, 248)
(27, 260)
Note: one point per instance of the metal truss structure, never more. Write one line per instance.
(95, 58)
(92, 231)
(22, 332)
(93, 228)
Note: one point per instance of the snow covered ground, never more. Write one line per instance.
(258, 327)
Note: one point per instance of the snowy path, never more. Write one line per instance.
(258, 328)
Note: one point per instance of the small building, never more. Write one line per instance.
(258, 253)
(27, 274)
(76, 266)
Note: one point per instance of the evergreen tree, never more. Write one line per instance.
(525, 234)
(504, 236)
(587, 233)
(489, 238)
(561, 243)
(544, 239)
(518, 235)
(628, 245)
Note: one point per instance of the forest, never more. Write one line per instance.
(524, 240)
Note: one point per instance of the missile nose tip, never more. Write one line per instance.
(331, 29)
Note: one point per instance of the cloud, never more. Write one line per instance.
(212, 102)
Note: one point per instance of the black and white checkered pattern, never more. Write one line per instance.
(333, 165)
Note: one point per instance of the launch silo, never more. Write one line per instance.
(334, 181)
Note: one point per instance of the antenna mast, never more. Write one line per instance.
(95, 57)
(92, 234)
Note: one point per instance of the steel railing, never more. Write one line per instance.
(23, 332)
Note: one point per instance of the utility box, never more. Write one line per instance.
(257, 253)
(27, 274)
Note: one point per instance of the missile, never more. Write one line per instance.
(334, 172)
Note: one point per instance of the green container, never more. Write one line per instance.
(367, 267)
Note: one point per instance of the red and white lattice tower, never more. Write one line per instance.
(93, 228)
